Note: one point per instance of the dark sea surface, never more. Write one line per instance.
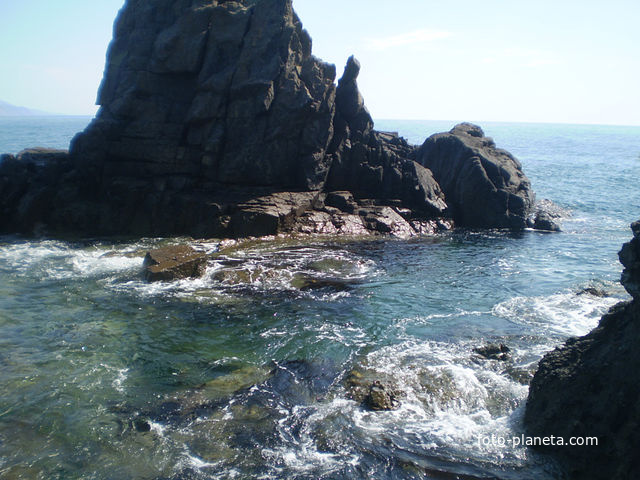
(245, 372)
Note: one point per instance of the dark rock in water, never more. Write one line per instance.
(337, 284)
(494, 352)
(141, 425)
(217, 121)
(484, 186)
(373, 393)
(630, 259)
(546, 216)
(381, 397)
(301, 382)
(173, 263)
(594, 292)
(590, 387)
(543, 221)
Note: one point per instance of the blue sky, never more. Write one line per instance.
(492, 60)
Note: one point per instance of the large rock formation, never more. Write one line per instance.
(224, 92)
(590, 387)
(484, 185)
(217, 120)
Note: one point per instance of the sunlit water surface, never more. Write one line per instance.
(244, 373)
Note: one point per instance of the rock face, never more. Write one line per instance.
(226, 92)
(590, 388)
(484, 186)
(630, 258)
(217, 121)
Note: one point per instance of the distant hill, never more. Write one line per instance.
(8, 110)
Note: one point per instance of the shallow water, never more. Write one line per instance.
(245, 372)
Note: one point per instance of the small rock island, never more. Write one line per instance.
(216, 120)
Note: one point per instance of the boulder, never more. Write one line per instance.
(494, 351)
(546, 216)
(543, 221)
(484, 186)
(590, 387)
(174, 263)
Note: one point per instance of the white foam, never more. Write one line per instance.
(566, 314)
(118, 382)
(60, 261)
(449, 400)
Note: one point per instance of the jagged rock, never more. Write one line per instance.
(141, 425)
(630, 259)
(216, 120)
(173, 263)
(484, 186)
(590, 387)
(494, 352)
(228, 91)
(376, 165)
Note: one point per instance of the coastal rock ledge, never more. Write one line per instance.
(216, 120)
(590, 387)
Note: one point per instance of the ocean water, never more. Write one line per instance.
(17, 133)
(246, 372)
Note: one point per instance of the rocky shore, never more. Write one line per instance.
(589, 387)
(217, 121)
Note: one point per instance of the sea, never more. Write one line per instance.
(253, 370)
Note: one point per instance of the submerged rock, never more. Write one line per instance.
(173, 263)
(484, 186)
(590, 387)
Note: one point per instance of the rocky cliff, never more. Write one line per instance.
(217, 120)
(590, 387)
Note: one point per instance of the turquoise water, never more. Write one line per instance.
(244, 372)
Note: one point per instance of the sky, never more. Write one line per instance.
(556, 61)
